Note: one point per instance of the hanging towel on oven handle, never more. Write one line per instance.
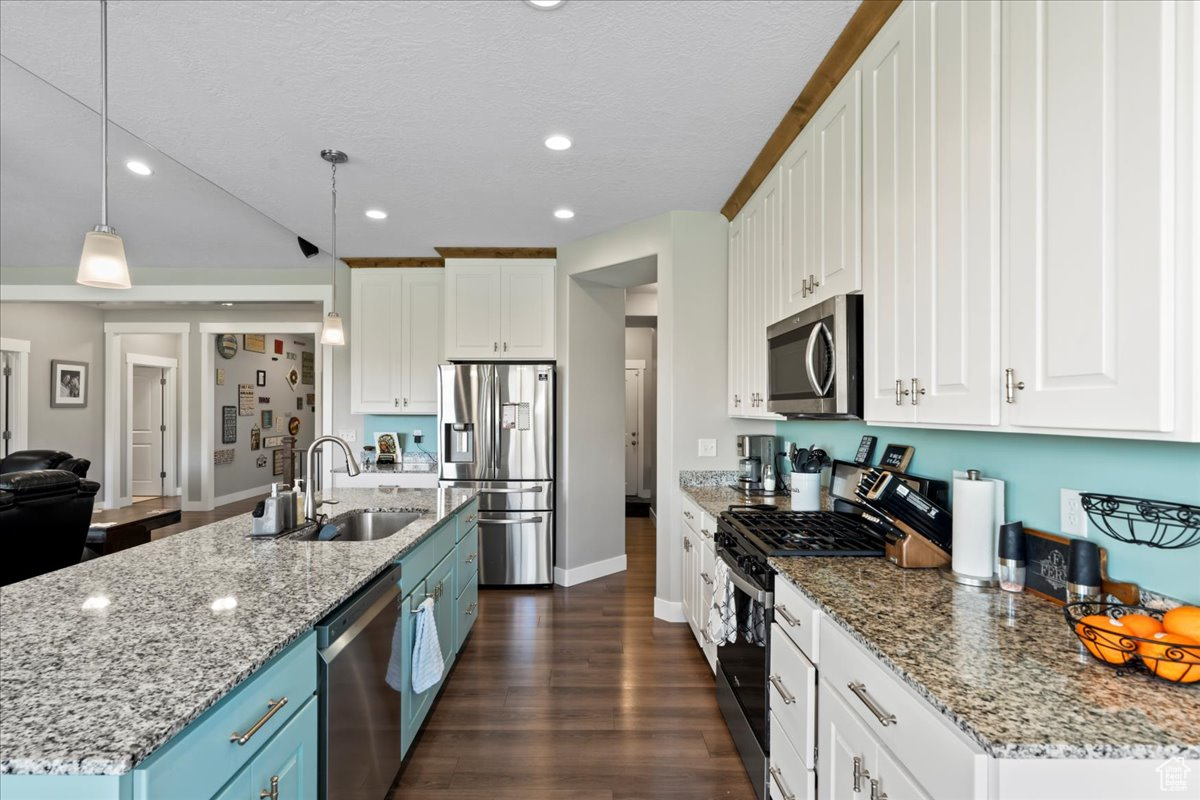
(722, 619)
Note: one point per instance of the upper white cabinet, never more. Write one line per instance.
(499, 309)
(754, 265)
(798, 266)
(395, 340)
(931, 133)
(1096, 183)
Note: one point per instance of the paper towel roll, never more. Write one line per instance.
(973, 549)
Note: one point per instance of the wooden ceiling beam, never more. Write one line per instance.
(404, 262)
(497, 252)
(854, 38)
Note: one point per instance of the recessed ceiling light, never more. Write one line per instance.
(545, 5)
(564, 213)
(375, 213)
(138, 168)
(558, 142)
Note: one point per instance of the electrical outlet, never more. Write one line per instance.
(708, 448)
(349, 436)
(1072, 518)
(417, 436)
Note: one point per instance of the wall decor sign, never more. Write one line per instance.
(255, 438)
(245, 400)
(277, 462)
(260, 462)
(310, 398)
(223, 456)
(272, 441)
(293, 377)
(291, 356)
(387, 443)
(299, 403)
(264, 401)
(306, 368)
(299, 343)
(260, 378)
(227, 345)
(220, 377)
(294, 425)
(268, 419)
(229, 417)
(279, 347)
(254, 342)
(68, 384)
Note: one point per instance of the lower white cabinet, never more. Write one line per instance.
(698, 529)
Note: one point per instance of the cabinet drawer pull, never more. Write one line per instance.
(471, 609)
(859, 774)
(688, 515)
(704, 577)
(787, 616)
(775, 773)
(272, 708)
(788, 698)
(704, 635)
(707, 534)
(273, 793)
(471, 558)
(860, 691)
(472, 518)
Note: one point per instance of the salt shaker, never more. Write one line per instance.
(1011, 550)
(769, 478)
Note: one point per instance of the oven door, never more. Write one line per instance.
(814, 361)
(744, 661)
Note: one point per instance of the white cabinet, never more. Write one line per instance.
(395, 340)
(930, 227)
(755, 257)
(690, 593)
(499, 309)
(837, 148)
(1096, 164)
(698, 530)
(797, 179)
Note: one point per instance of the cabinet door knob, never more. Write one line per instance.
(1011, 386)
(495, 347)
(506, 347)
(876, 794)
(396, 402)
(859, 773)
(901, 392)
(406, 402)
(273, 793)
(916, 390)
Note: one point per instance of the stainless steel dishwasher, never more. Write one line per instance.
(359, 712)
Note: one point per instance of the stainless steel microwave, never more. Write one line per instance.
(815, 361)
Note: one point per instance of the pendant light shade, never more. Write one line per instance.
(332, 331)
(102, 263)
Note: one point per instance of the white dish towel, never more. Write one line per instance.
(427, 664)
(722, 621)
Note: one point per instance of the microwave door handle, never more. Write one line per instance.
(820, 331)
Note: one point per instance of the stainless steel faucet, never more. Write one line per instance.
(310, 485)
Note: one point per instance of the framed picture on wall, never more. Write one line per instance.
(68, 384)
(260, 377)
(254, 343)
(268, 419)
(229, 417)
(387, 444)
(277, 462)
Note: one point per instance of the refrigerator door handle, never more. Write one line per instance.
(526, 490)
(524, 521)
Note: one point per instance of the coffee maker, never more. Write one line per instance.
(755, 453)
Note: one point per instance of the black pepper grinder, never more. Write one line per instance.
(1011, 552)
(1083, 574)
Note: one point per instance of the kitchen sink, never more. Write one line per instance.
(357, 526)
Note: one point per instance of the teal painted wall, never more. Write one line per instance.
(406, 424)
(1034, 468)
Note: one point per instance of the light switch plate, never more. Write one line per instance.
(1072, 518)
(349, 436)
(708, 448)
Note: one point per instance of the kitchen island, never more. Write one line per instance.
(103, 663)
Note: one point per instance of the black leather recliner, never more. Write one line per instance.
(25, 460)
(44, 519)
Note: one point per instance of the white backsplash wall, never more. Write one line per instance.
(244, 474)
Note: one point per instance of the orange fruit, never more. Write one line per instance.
(1168, 660)
(1141, 625)
(1107, 639)
(1184, 621)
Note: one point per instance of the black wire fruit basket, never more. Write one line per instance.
(1153, 523)
(1126, 653)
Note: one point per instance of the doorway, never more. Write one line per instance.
(641, 399)
(634, 412)
(151, 426)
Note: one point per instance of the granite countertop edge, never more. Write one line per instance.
(113, 765)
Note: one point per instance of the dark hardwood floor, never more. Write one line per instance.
(578, 694)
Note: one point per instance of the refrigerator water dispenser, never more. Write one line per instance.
(460, 442)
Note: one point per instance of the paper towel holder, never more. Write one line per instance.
(973, 581)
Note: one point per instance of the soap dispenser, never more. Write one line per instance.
(270, 515)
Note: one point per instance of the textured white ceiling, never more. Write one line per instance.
(442, 107)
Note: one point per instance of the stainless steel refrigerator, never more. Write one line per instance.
(497, 434)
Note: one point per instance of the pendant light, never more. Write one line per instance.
(102, 263)
(332, 332)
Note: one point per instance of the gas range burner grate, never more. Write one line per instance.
(805, 533)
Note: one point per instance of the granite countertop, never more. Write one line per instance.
(97, 691)
(715, 499)
(1003, 668)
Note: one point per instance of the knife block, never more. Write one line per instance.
(914, 551)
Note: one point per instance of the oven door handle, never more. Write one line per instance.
(765, 599)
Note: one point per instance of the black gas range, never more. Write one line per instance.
(746, 537)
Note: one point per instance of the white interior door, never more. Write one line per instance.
(633, 432)
(145, 431)
(5, 408)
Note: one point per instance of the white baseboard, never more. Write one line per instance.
(245, 494)
(668, 611)
(194, 505)
(589, 572)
